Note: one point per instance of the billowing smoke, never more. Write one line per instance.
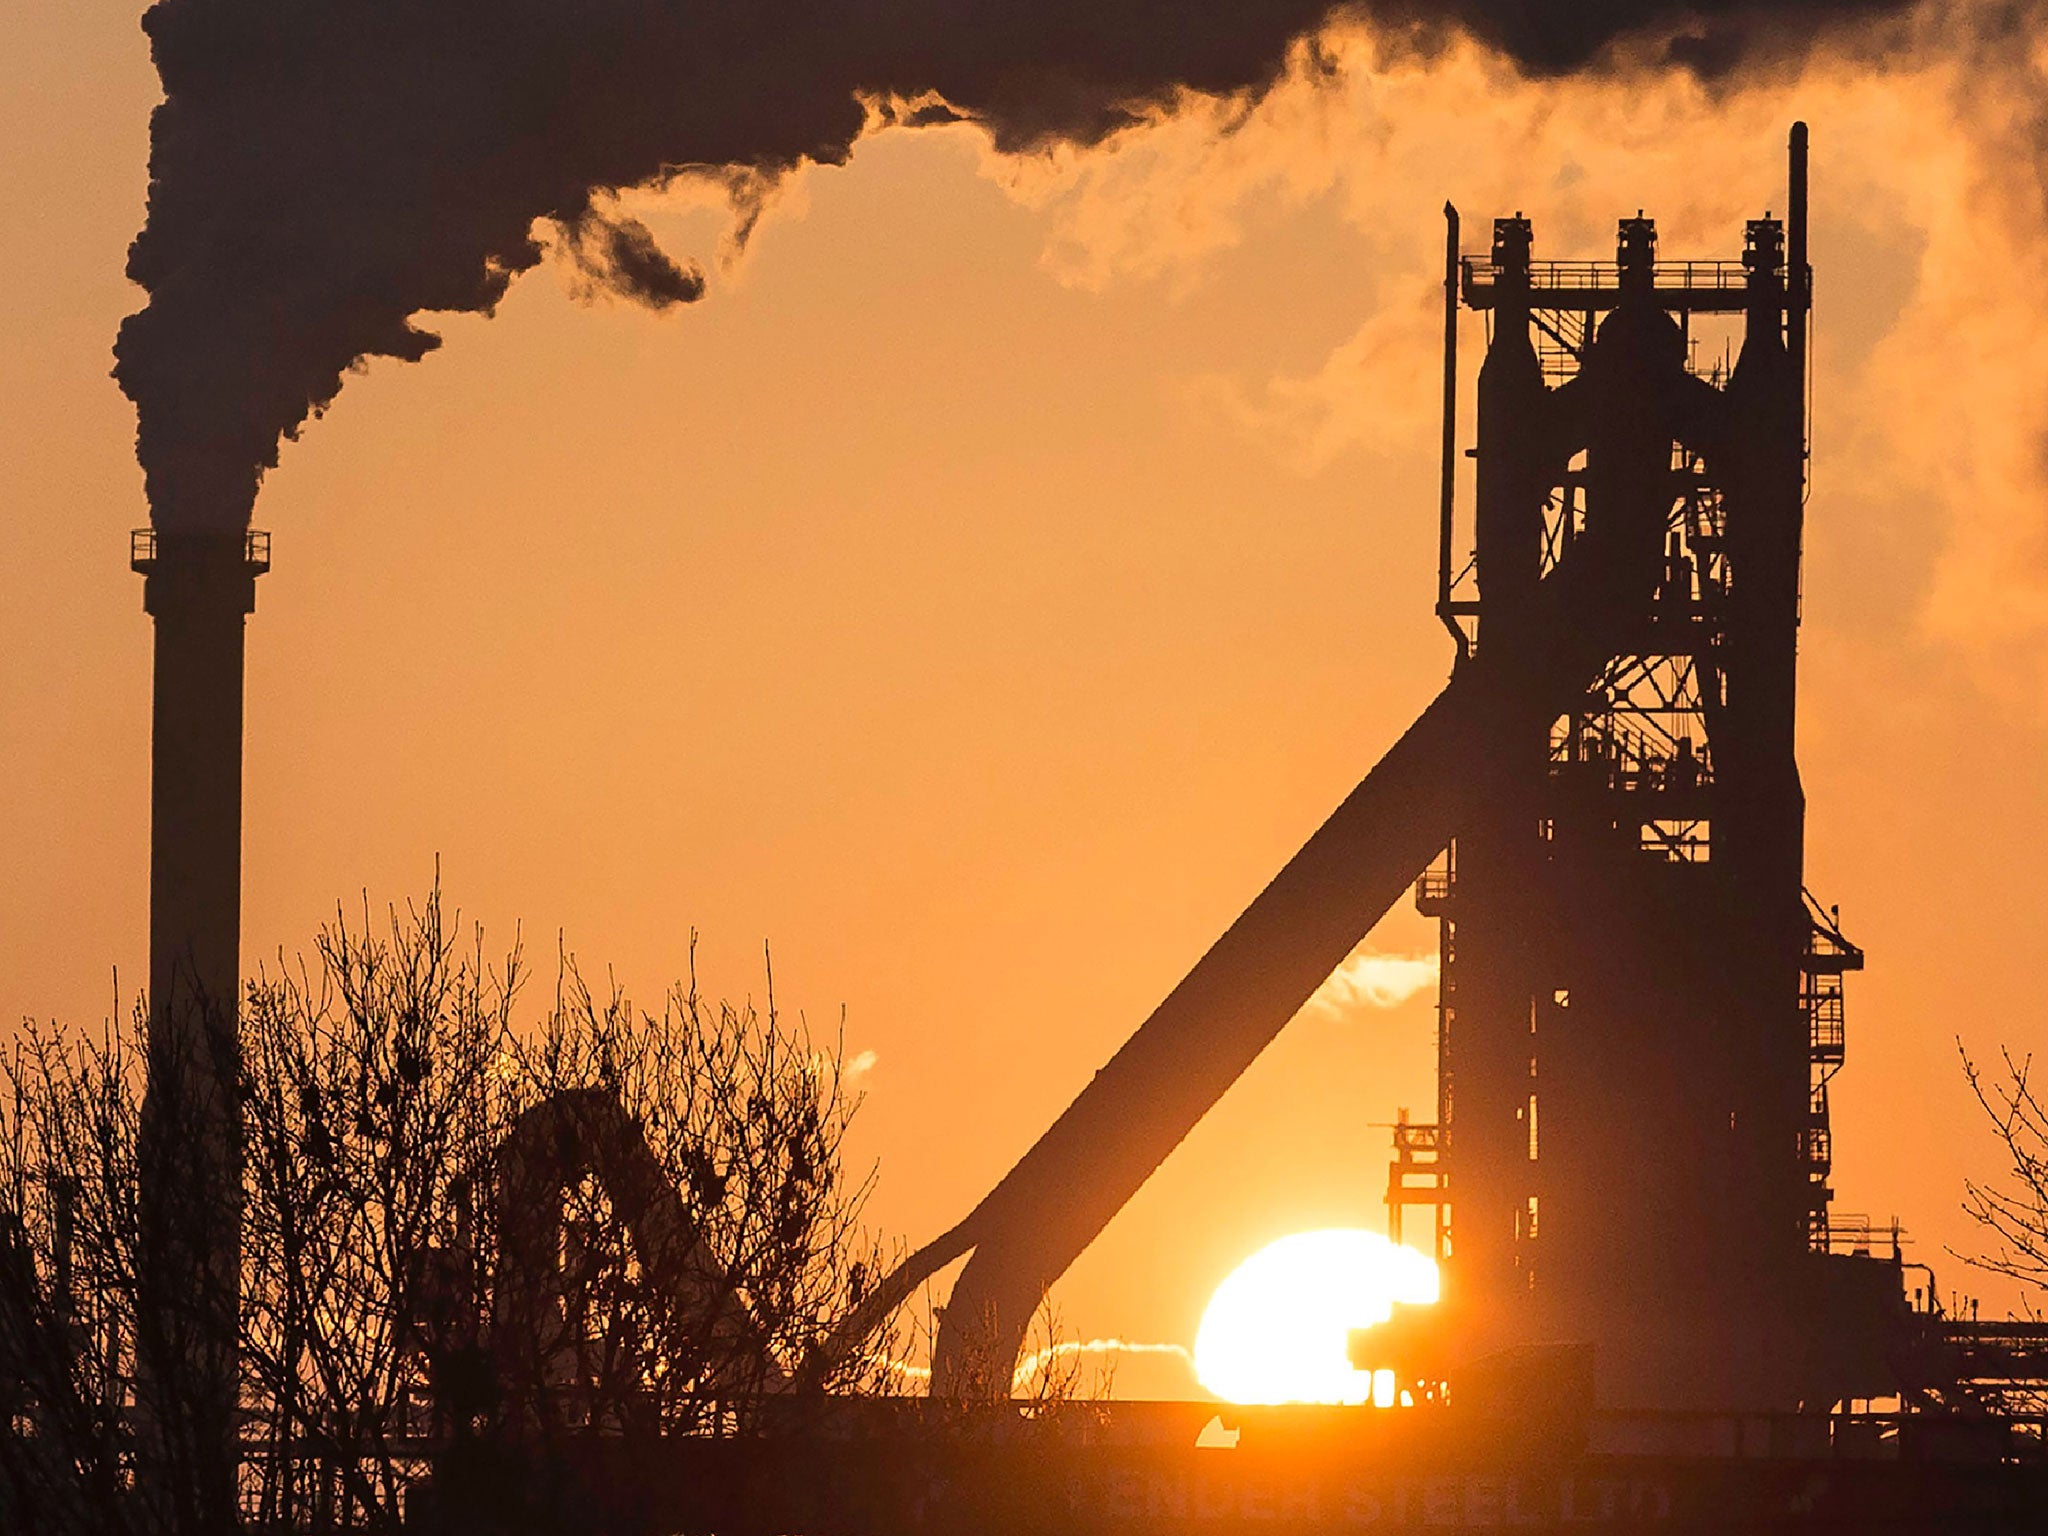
(324, 171)
(619, 254)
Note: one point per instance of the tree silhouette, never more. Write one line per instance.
(453, 1229)
(2013, 1213)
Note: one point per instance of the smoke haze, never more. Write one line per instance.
(1931, 159)
(619, 254)
(324, 172)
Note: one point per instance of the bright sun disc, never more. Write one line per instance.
(1278, 1330)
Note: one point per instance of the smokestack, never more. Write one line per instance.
(199, 586)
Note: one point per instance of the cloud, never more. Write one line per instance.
(1034, 1363)
(850, 1068)
(1379, 390)
(1369, 980)
(1037, 1361)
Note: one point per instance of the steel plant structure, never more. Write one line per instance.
(1643, 1322)
(1641, 1005)
(1646, 1322)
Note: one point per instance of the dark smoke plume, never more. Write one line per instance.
(619, 254)
(322, 171)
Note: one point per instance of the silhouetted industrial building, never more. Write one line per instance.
(1641, 1006)
(1627, 1177)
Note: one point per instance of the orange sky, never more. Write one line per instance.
(988, 585)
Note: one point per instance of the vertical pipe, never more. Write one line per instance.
(1447, 491)
(1798, 276)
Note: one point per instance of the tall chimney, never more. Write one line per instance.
(199, 587)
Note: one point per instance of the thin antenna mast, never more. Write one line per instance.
(1447, 493)
(1798, 277)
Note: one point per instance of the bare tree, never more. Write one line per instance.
(374, 1082)
(2013, 1212)
(706, 1240)
(68, 1270)
(451, 1228)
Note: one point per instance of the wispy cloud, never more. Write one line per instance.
(1029, 1368)
(851, 1069)
(1032, 1365)
(1369, 980)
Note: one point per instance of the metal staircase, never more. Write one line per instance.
(1828, 957)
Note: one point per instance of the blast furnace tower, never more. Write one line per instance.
(1641, 1005)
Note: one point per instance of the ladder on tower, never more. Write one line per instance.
(1828, 957)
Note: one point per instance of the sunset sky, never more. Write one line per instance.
(981, 591)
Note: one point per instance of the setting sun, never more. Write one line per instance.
(1278, 1329)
